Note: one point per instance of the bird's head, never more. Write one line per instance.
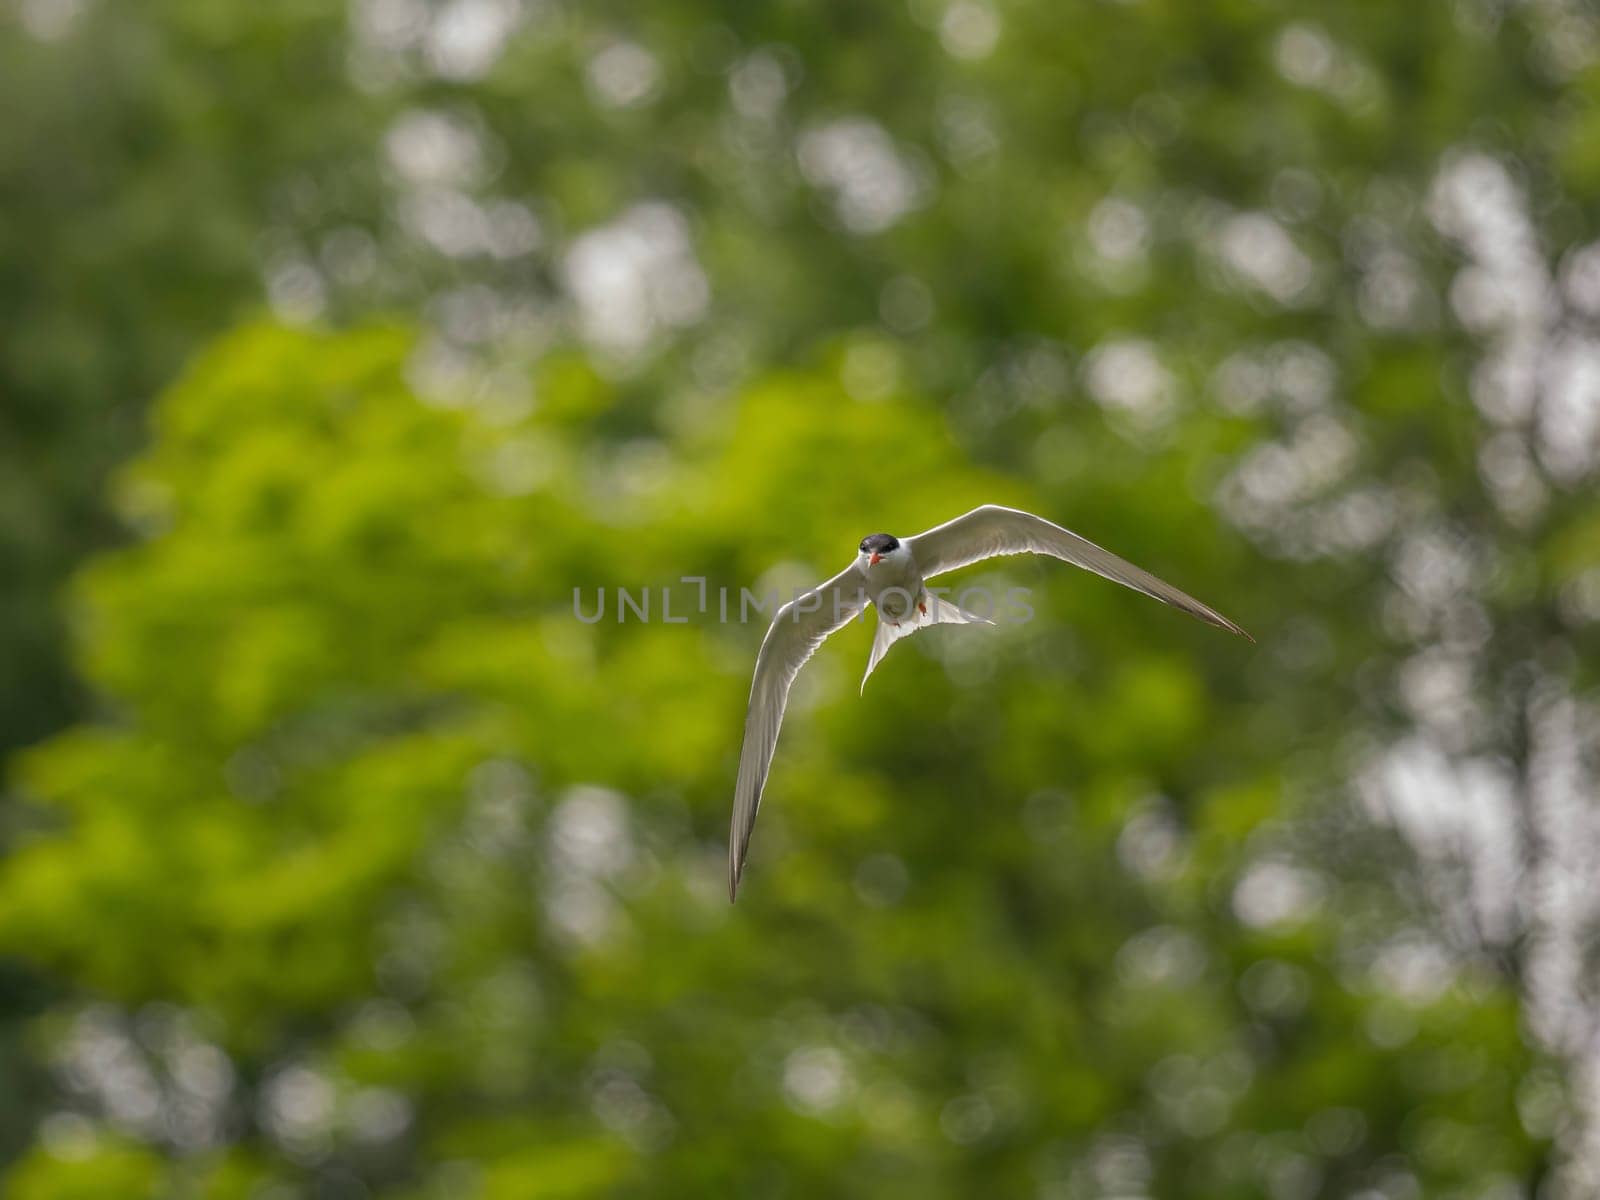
(876, 547)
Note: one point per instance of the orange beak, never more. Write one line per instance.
(874, 560)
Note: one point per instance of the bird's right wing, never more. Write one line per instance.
(992, 531)
(799, 628)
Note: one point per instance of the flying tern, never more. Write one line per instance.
(890, 573)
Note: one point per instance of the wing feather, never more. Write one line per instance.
(793, 637)
(993, 530)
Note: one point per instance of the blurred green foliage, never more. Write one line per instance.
(358, 865)
(362, 815)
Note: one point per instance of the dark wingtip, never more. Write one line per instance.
(1222, 622)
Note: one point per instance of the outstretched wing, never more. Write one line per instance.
(992, 530)
(799, 628)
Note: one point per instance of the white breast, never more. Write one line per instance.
(894, 585)
(894, 604)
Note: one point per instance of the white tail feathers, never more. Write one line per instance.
(942, 612)
(931, 611)
(889, 632)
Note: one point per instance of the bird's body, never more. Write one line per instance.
(891, 575)
(892, 584)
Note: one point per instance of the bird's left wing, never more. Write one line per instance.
(799, 628)
(993, 530)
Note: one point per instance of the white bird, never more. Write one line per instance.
(891, 574)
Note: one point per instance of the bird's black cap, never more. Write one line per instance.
(879, 543)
